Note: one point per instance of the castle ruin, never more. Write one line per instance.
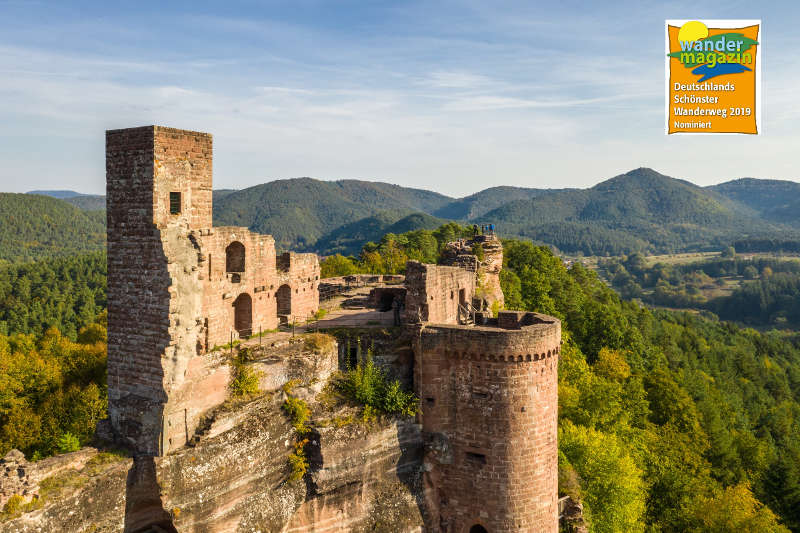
(178, 287)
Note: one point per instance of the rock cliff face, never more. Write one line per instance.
(487, 268)
(233, 477)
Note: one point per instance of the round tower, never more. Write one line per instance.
(489, 414)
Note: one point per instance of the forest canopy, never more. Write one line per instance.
(668, 421)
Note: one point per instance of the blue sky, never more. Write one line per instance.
(449, 96)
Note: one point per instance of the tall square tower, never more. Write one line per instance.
(158, 186)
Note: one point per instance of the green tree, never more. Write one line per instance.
(337, 265)
(733, 509)
(68, 443)
(611, 483)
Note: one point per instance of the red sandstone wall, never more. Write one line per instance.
(301, 273)
(138, 290)
(183, 163)
(433, 292)
(171, 295)
(489, 412)
(222, 288)
(154, 291)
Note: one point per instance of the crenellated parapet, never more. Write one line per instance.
(489, 399)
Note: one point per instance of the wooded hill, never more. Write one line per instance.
(639, 211)
(668, 422)
(34, 227)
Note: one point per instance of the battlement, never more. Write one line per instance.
(490, 415)
(536, 341)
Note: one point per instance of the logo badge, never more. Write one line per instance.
(713, 75)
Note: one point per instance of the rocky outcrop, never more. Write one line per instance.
(487, 267)
(571, 518)
(234, 475)
(236, 481)
(22, 478)
(366, 480)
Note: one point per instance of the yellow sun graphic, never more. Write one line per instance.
(692, 31)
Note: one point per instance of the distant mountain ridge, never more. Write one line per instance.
(34, 226)
(480, 203)
(774, 200)
(61, 195)
(668, 214)
(87, 202)
(640, 210)
(298, 212)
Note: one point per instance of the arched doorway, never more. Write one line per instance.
(234, 257)
(477, 528)
(243, 315)
(284, 298)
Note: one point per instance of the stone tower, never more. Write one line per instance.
(158, 187)
(490, 416)
(178, 287)
(489, 398)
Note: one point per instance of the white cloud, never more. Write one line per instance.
(495, 96)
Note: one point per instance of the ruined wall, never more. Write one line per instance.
(487, 271)
(225, 290)
(153, 301)
(489, 413)
(178, 287)
(300, 274)
(433, 293)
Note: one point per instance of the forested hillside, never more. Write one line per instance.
(482, 202)
(773, 200)
(350, 238)
(299, 212)
(641, 210)
(667, 421)
(34, 227)
(66, 293)
(756, 291)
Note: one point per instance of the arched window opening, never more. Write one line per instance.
(477, 528)
(243, 315)
(284, 298)
(234, 257)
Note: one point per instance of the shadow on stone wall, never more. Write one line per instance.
(409, 469)
(144, 510)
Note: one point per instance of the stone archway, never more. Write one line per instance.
(284, 299)
(477, 528)
(243, 315)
